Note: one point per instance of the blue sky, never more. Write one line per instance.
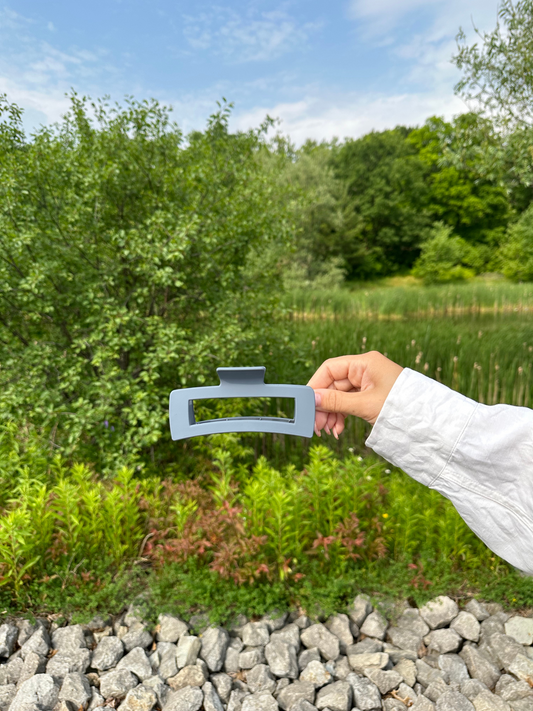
(340, 68)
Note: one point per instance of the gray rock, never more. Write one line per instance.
(108, 653)
(308, 655)
(339, 625)
(236, 698)
(190, 698)
(8, 638)
(63, 663)
(435, 690)
(141, 698)
(167, 659)
(115, 684)
(7, 694)
(477, 609)
(360, 609)
(454, 667)
(406, 693)
(292, 693)
(467, 626)
(471, 688)
(385, 680)
(522, 668)
(439, 612)
(280, 685)
(410, 620)
(170, 628)
(188, 649)
(404, 638)
(281, 658)
(407, 670)
(342, 668)
(231, 663)
(365, 693)
(137, 662)
(39, 643)
(479, 666)
(251, 656)
(303, 705)
(75, 688)
(510, 689)
(255, 634)
(336, 696)
(215, 641)
(490, 626)
(320, 637)
(290, 633)
(302, 622)
(133, 616)
(359, 662)
(159, 687)
(521, 705)
(137, 636)
(390, 704)
(10, 672)
(222, 683)
(193, 675)
(485, 701)
(426, 674)
(39, 692)
(443, 641)
(260, 701)
(423, 704)
(375, 625)
(396, 654)
(260, 678)
(519, 628)
(275, 620)
(316, 674)
(33, 664)
(212, 700)
(503, 649)
(367, 645)
(454, 701)
(68, 638)
(96, 701)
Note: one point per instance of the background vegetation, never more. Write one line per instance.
(134, 260)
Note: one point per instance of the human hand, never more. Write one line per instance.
(351, 385)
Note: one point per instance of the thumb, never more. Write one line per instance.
(330, 400)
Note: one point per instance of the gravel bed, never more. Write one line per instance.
(436, 657)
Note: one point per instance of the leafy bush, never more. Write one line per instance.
(443, 256)
(515, 256)
(130, 264)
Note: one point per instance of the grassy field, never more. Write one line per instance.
(273, 520)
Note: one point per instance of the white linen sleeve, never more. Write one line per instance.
(478, 456)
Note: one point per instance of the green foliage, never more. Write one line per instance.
(515, 256)
(130, 264)
(384, 209)
(443, 257)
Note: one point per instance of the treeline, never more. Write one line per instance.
(411, 200)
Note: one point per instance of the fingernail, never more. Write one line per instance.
(317, 431)
(327, 429)
(335, 432)
(318, 399)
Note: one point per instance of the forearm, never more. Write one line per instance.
(478, 456)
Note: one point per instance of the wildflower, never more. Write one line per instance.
(387, 471)
(369, 478)
(359, 459)
(418, 357)
(426, 366)
(385, 515)
(350, 449)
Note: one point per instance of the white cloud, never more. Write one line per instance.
(325, 117)
(254, 36)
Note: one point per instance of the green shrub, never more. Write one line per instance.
(130, 264)
(443, 257)
(515, 256)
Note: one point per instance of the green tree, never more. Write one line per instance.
(474, 206)
(384, 210)
(443, 257)
(515, 257)
(130, 265)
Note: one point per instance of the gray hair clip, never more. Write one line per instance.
(241, 382)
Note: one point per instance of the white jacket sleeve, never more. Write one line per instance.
(478, 456)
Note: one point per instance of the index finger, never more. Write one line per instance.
(332, 370)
